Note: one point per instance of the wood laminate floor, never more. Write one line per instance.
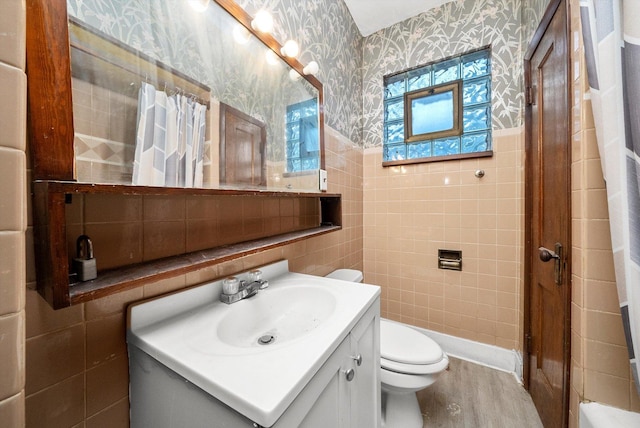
(474, 396)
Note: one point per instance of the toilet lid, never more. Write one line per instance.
(351, 275)
(405, 345)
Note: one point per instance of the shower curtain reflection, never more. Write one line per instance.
(170, 140)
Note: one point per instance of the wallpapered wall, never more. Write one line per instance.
(532, 11)
(450, 29)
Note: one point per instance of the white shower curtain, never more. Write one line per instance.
(612, 48)
(170, 139)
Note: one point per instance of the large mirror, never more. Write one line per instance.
(167, 95)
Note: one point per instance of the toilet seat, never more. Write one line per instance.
(415, 369)
(405, 350)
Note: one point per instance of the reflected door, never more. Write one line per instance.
(242, 148)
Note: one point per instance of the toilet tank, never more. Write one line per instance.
(351, 275)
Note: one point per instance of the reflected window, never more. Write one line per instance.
(303, 145)
(439, 111)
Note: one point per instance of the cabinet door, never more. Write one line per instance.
(365, 387)
(325, 401)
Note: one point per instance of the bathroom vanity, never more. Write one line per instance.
(302, 352)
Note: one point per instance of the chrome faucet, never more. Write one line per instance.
(234, 290)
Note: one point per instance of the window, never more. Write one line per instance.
(438, 111)
(303, 146)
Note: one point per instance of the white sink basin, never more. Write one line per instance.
(215, 346)
(276, 316)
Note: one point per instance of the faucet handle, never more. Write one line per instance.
(255, 275)
(230, 285)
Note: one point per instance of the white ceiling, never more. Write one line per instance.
(373, 15)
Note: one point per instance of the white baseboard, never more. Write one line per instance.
(507, 360)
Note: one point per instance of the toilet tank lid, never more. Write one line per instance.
(346, 275)
(403, 344)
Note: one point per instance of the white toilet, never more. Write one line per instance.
(409, 361)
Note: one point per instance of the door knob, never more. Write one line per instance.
(349, 374)
(546, 254)
(357, 359)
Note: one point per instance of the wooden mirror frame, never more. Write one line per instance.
(52, 161)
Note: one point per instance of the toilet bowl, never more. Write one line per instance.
(409, 362)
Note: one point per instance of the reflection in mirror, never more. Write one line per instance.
(167, 96)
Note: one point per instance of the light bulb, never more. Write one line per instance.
(311, 68)
(263, 22)
(294, 75)
(241, 35)
(199, 5)
(271, 56)
(290, 49)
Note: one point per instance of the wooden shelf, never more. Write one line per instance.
(56, 283)
(116, 280)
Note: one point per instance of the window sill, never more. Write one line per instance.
(301, 173)
(488, 153)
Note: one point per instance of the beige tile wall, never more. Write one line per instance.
(133, 229)
(76, 357)
(599, 361)
(13, 217)
(412, 211)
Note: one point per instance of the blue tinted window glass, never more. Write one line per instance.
(419, 81)
(446, 146)
(394, 132)
(393, 152)
(475, 119)
(394, 89)
(476, 67)
(293, 131)
(446, 72)
(310, 163)
(293, 115)
(432, 113)
(478, 142)
(476, 92)
(394, 110)
(293, 149)
(418, 150)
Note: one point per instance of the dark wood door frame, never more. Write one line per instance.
(529, 254)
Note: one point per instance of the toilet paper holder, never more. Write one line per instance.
(450, 259)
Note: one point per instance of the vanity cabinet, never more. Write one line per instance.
(344, 391)
(347, 387)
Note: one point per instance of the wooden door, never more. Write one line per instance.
(242, 148)
(548, 221)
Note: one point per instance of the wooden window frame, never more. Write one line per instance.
(456, 88)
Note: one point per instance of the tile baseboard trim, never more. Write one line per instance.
(495, 357)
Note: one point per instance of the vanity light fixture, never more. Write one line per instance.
(262, 22)
(290, 49)
(311, 68)
(199, 5)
